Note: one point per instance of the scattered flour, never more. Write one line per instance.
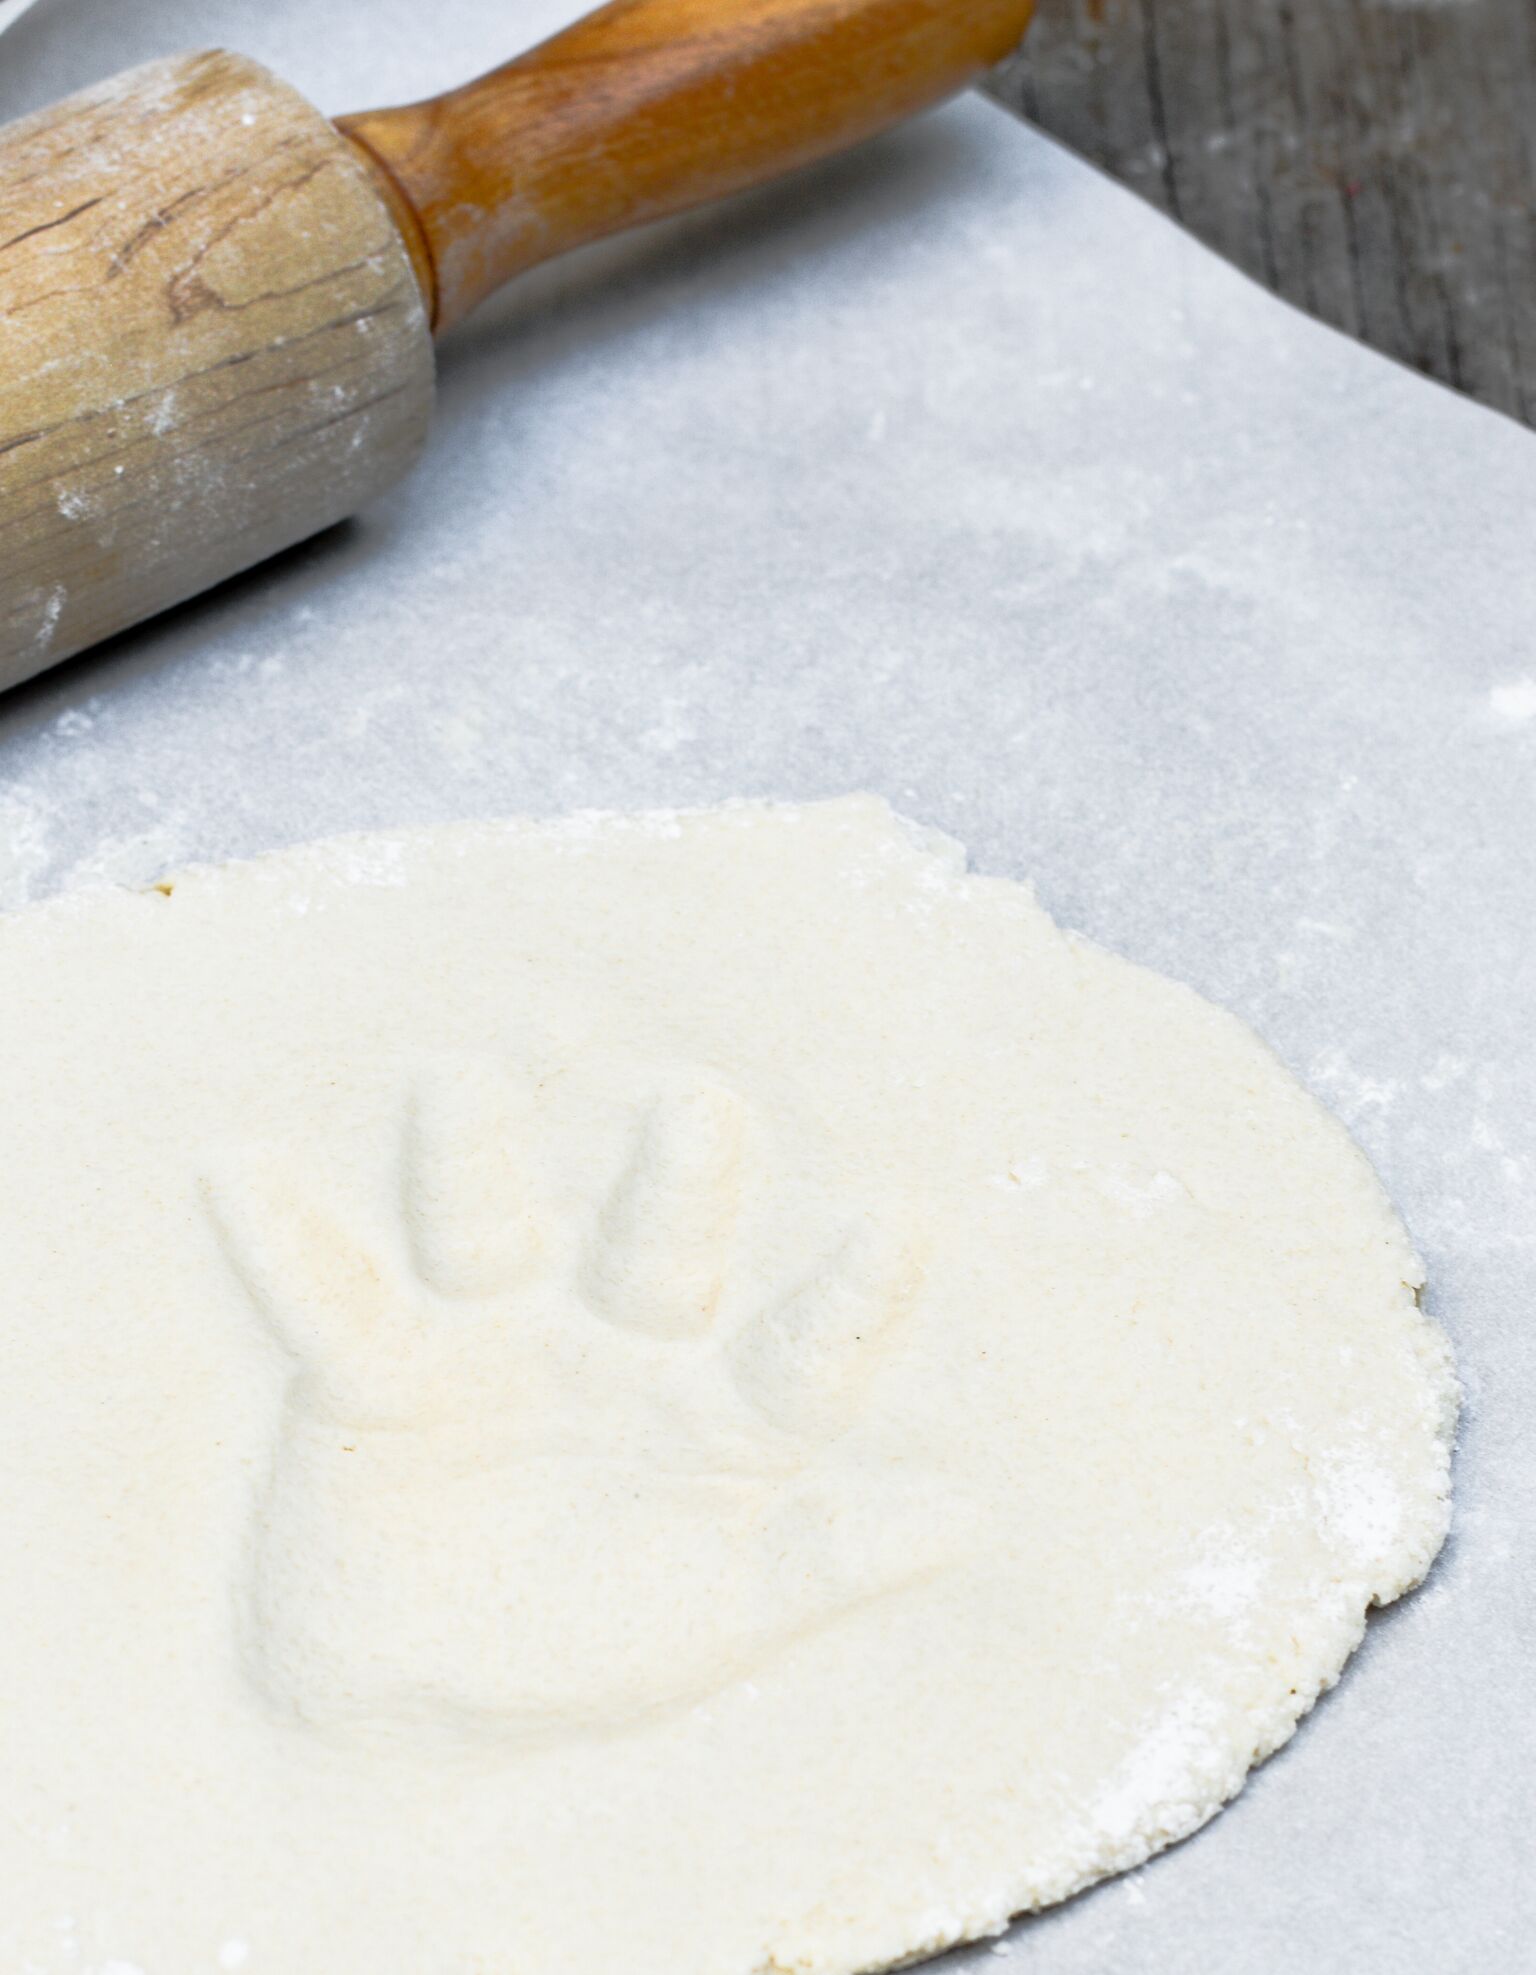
(137, 858)
(25, 822)
(1513, 705)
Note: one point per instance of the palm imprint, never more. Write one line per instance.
(528, 1477)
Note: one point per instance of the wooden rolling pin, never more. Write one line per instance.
(217, 308)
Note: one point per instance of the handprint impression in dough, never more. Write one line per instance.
(531, 1489)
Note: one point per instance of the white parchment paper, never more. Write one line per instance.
(953, 472)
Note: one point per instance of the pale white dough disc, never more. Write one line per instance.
(701, 1395)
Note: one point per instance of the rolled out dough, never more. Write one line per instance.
(693, 1393)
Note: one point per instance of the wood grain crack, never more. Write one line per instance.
(53, 225)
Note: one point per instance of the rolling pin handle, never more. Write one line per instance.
(648, 108)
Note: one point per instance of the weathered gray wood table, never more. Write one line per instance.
(1373, 161)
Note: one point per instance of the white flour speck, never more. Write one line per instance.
(460, 736)
(24, 849)
(1144, 1199)
(1360, 1506)
(1223, 1584)
(672, 730)
(1513, 705)
(1027, 1175)
(52, 610)
(136, 858)
(234, 1954)
(1445, 1069)
(1165, 1785)
(1347, 1090)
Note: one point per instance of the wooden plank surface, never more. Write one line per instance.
(1373, 161)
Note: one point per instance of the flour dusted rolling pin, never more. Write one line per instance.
(217, 309)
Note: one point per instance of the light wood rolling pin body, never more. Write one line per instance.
(217, 308)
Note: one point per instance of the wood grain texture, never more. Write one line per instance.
(1373, 161)
(211, 346)
(649, 107)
